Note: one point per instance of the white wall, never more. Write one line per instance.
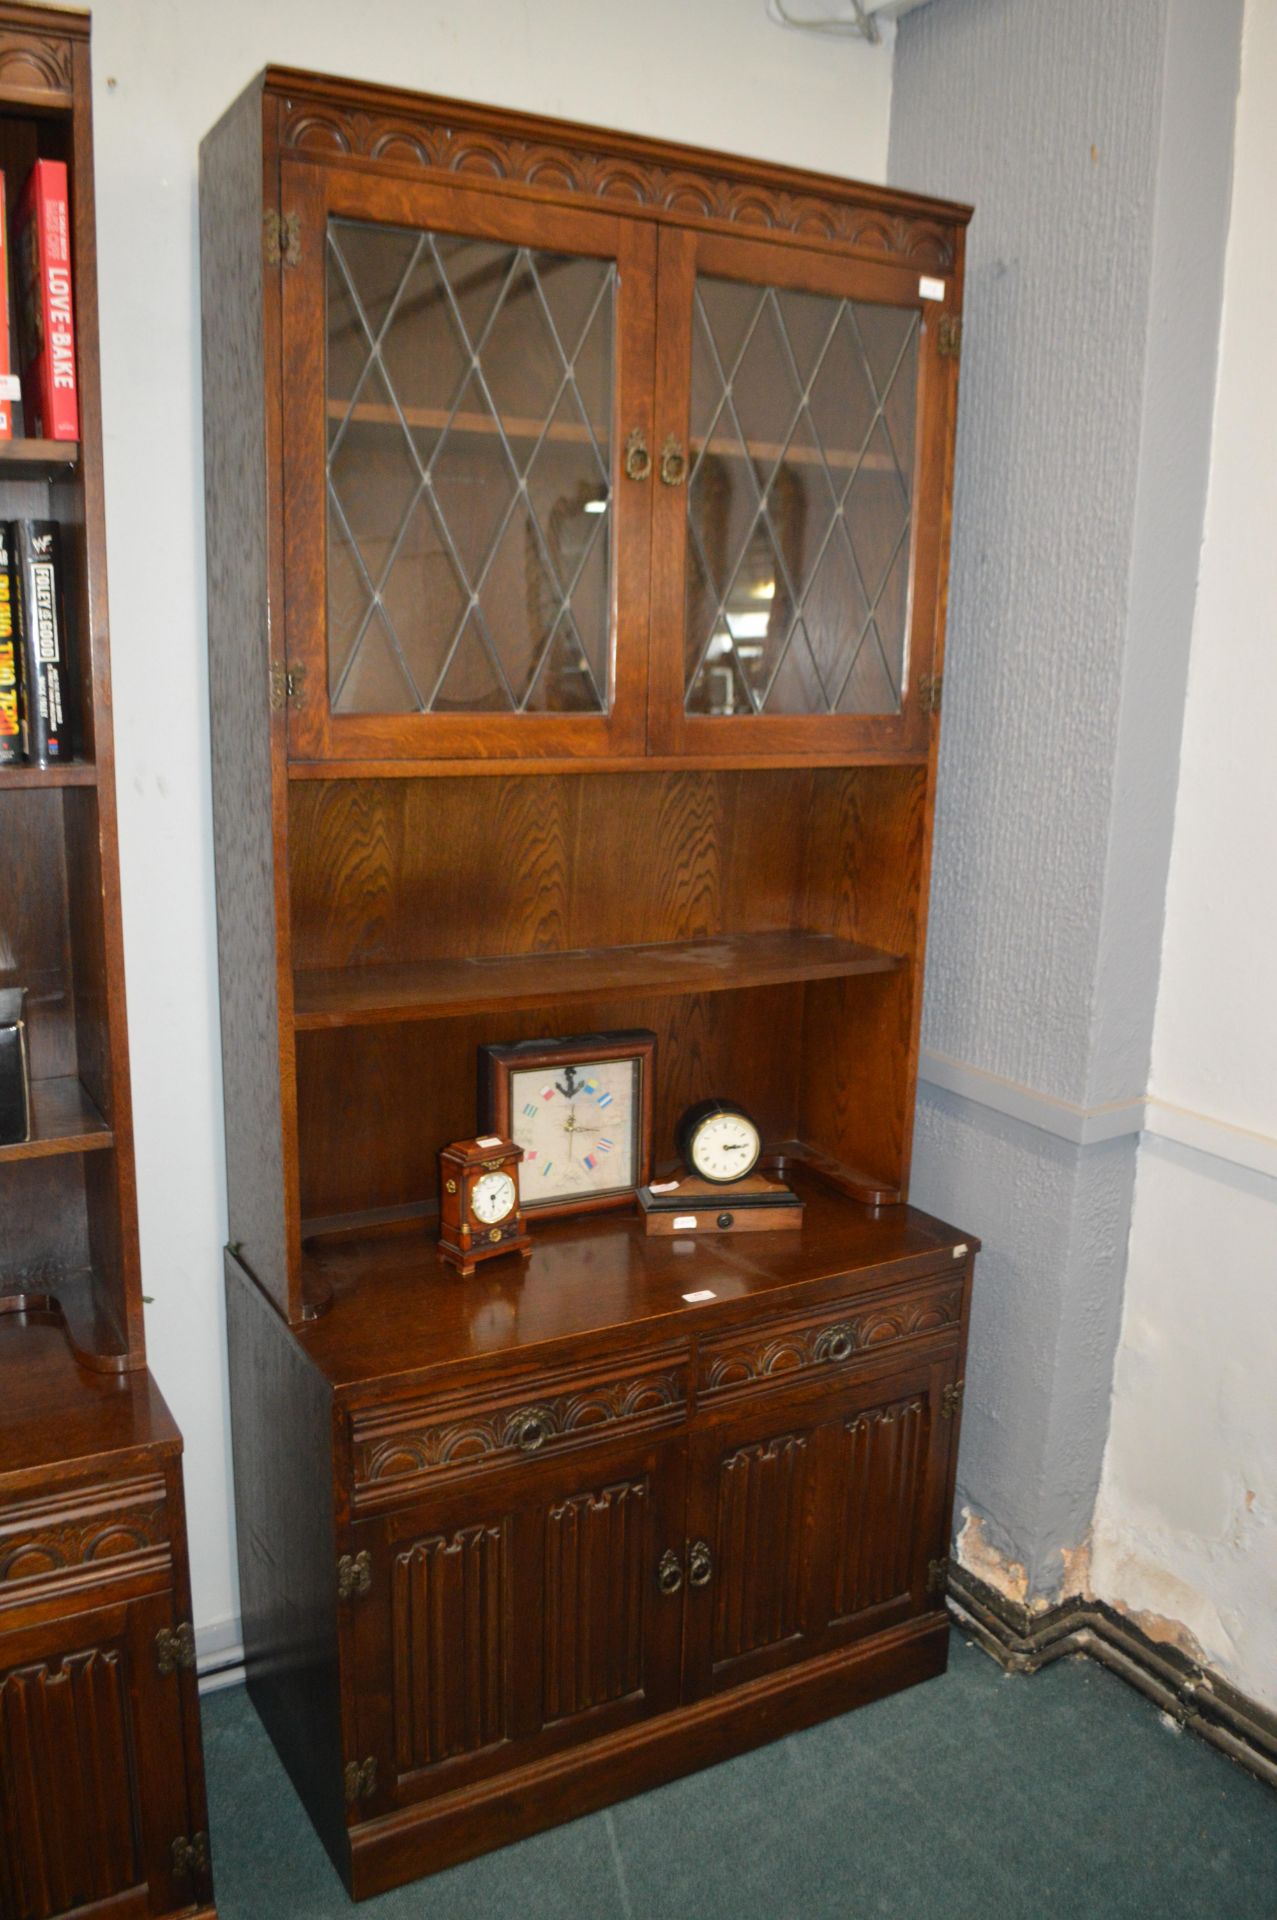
(1186, 1523)
(717, 73)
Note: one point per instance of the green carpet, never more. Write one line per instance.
(978, 1796)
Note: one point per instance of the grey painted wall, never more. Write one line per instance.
(1095, 141)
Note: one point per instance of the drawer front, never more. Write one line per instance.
(85, 1538)
(399, 1451)
(830, 1339)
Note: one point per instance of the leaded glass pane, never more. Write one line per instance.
(469, 404)
(799, 503)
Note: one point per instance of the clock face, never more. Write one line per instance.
(491, 1197)
(578, 1127)
(725, 1146)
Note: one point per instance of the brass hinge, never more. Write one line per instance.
(937, 1577)
(286, 683)
(930, 689)
(190, 1857)
(282, 233)
(361, 1780)
(949, 336)
(951, 1399)
(175, 1649)
(354, 1576)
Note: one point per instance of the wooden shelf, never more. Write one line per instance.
(37, 459)
(440, 989)
(370, 413)
(63, 1120)
(407, 768)
(71, 773)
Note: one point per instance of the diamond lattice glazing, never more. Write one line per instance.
(799, 503)
(469, 403)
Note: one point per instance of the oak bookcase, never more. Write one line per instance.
(101, 1774)
(577, 523)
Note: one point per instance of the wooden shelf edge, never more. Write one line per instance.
(419, 769)
(852, 1182)
(73, 1302)
(449, 989)
(37, 459)
(72, 773)
(64, 1120)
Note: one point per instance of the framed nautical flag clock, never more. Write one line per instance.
(581, 1109)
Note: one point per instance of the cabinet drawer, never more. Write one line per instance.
(84, 1538)
(832, 1338)
(398, 1450)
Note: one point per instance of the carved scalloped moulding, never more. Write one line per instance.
(40, 1541)
(604, 176)
(469, 1437)
(37, 62)
(799, 1348)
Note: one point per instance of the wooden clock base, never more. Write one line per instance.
(688, 1204)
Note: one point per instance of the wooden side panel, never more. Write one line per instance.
(256, 1047)
(69, 1830)
(882, 1467)
(759, 1588)
(281, 1427)
(452, 1606)
(595, 1588)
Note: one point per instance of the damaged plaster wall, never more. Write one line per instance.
(1096, 144)
(1186, 1524)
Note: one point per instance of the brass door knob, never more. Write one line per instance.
(673, 463)
(638, 461)
(669, 1574)
(700, 1564)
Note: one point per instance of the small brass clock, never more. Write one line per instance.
(479, 1211)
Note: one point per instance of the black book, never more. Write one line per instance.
(13, 706)
(49, 693)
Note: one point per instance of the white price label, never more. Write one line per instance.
(705, 1293)
(929, 289)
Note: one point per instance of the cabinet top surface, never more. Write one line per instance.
(296, 85)
(399, 1309)
(56, 1413)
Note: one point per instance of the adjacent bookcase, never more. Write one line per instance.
(101, 1774)
(68, 1195)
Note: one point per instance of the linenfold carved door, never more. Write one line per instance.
(813, 1519)
(91, 1804)
(524, 1607)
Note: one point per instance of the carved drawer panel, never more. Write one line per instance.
(398, 1451)
(82, 1538)
(830, 1339)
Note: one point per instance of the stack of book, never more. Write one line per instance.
(36, 696)
(37, 708)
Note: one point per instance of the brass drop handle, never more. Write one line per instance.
(700, 1564)
(669, 1574)
(529, 1429)
(835, 1343)
(638, 461)
(673, 463)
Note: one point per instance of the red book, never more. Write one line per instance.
(42, 237)
(6, 364)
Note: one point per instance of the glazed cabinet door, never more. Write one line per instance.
(813, 1518)
(94, 1816)
(530, 1610)
(466, 405)
(803, 428)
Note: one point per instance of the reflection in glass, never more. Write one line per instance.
(800, 502)
(469, 411)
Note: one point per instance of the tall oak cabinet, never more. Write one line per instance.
(577, 521)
